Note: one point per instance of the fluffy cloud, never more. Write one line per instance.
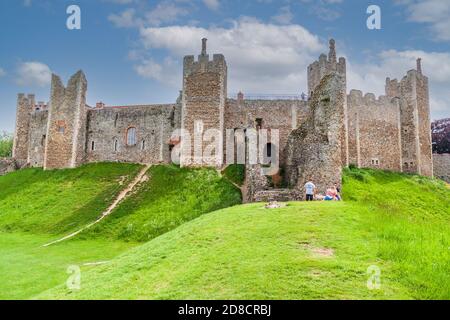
(126, 19)
(436, 13)
(264, 57)
(33, 74)
(212, 4)
(284, 16)
(371, 77)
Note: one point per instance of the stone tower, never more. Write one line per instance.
(413, 93)
(25, 105)
(326, 66)
(66, 129)
(203, 106)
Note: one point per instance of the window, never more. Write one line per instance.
(93, 146)
(115, 144)
(131, 137)
(375, 162)
(43, 140)
(61, 125)
(259, 122)
(143, 145)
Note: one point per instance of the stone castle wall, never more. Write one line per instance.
(282, 115)
(66, 132)
(374, 131)
(314, 149)
(38, 138)
(441, 164)
(317, 137)
(154, 124)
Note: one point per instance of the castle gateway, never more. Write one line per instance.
(317, 136)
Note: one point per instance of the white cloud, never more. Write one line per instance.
(436, 13)
(371, 77)
(126, 19)
(212, 4)
(262, 57)
(165, 12)
(284, 16)
(33, 74)
(2, 72)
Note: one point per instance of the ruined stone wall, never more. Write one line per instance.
(374, 131)
(283, 115)
(66, 133)
(203, 100)
(314, 149)
(154, 124)
(21, 143)
(326, 66)
(8, 165)
(38, 137)
(441, 163)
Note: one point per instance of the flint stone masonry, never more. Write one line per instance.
(314, 149)
(317, 137)
(8, 165)
(441, 164)
(154, 126)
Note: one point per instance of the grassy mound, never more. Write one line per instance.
(171, 197)
(55, 202)
(396, 223)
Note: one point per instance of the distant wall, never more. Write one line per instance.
(154, 124)
(38, 137)
(282, 115)
(441, 164)
(374, 131)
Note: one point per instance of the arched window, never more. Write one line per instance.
(131, 136)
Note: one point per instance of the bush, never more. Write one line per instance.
(235, 173)
(6, 145)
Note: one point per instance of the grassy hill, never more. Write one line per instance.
(39, 206)
(171, 197)
(395, 222)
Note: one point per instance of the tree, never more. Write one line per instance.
(6, 144)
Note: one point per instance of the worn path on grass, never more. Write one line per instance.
(122, 195)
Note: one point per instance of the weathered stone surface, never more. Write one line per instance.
(8, 165)
(314, 149)
(442, 166)
(66, 133)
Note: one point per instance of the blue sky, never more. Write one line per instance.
(131, 50)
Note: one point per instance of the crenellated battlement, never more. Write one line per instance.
(324, 66)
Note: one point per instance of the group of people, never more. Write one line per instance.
(333, 193)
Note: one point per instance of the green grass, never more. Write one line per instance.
(27, 268)
(56, 202)
(235, 173)
(171, 197)
(39, 206)
(396, 222)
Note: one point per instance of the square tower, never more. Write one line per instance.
(413, 93)
(203, 106)
(66, 128)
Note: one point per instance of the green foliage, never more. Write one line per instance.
(59, 201)
(171, 197)
(235, 173)
(6, 145)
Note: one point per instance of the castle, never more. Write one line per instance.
(318, 135)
